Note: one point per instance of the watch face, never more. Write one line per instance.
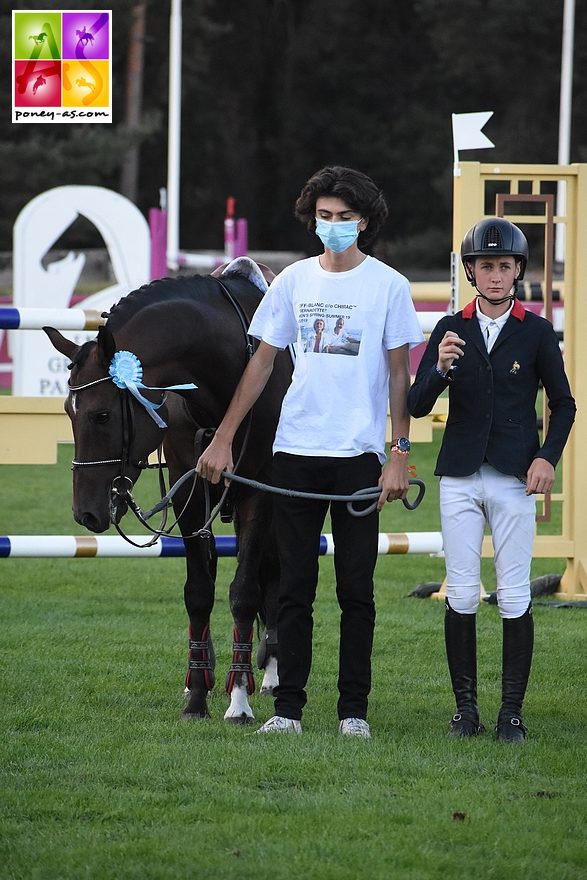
(404, 444)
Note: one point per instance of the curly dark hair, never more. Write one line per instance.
(356, 189)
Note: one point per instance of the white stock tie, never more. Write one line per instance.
(491, 333)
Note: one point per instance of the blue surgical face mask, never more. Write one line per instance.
(339, 236)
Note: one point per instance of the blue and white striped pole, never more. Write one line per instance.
(111, 546)
(62, 319)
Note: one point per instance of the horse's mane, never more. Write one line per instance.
(163, 289)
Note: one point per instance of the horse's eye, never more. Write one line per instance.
(100, 418)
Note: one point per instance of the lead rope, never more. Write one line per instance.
(161, 530)
(361, 495)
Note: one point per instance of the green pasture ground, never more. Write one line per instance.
(100, 778)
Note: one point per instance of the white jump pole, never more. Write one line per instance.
(174, 135)
(90, 319)
(113, 546)
(61, 319)
(564, 124)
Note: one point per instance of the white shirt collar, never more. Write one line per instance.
(485, 321)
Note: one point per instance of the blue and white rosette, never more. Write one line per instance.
(127, 371)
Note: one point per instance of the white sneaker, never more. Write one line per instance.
(280, 725)
(355, 727)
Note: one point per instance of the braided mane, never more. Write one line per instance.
(163, 289)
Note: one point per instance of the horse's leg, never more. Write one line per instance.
(270, 669)
(201, 559)
(252, 523)
(199, 600)
(269, 584)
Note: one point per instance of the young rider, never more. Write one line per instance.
(492, 356)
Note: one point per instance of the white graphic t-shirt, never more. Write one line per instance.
(343, 324)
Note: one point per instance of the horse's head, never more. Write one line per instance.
(113, 433)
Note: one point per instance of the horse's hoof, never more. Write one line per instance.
(241, 719)
(194, 716)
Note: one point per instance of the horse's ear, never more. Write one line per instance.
(219, 270)
(63, 345)
(106, 345)
(268, 274)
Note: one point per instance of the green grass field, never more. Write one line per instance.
(101, 779)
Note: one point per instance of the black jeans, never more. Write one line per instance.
(299, 525)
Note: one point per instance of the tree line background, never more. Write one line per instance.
(274, 89)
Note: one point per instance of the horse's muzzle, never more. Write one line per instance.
(92, 522)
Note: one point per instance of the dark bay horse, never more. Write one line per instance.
(183, 330)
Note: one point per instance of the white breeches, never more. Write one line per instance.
(467, 505)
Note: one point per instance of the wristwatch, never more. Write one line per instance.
(401, 445)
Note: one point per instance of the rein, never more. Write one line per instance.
(360, 495)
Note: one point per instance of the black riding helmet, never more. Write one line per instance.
(494, 235)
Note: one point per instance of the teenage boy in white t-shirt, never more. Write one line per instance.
(331, 433)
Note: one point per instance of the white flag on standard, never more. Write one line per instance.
(466, 131)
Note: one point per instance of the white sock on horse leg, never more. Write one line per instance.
(239, 703)
(270, 678)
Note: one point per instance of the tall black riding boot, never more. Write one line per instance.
(460, 635)
(518, 644)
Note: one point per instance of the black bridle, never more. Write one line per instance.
(121, 486)
(127, 419)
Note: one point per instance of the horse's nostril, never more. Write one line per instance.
(91, 522)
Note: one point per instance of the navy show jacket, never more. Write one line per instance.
(492, 396)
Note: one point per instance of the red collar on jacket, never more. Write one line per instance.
(518, 311)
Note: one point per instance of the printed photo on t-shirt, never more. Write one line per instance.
(329, 328)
